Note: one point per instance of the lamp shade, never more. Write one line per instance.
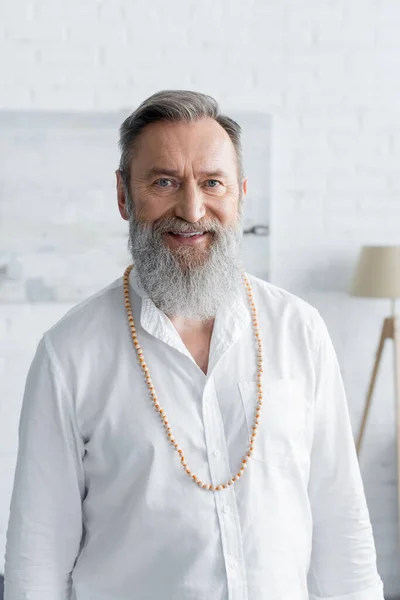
(378, 272)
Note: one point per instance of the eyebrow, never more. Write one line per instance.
(154, 171)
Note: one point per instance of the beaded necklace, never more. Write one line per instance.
(161, 411)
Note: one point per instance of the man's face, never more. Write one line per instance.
(187, 171)
(184, 179)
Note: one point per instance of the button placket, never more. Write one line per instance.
(225, 500)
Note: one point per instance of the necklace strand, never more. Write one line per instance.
(161, 411)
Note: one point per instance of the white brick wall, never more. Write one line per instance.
(328, 73)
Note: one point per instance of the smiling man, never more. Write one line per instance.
(184, 432)
(185, 221)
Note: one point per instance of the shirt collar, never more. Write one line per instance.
(228, 326)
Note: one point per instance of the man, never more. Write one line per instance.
(184, 432)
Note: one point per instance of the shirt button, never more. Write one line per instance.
(232, 565)
(217, 453)
(226, 509)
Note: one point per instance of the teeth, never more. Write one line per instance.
(188, 234)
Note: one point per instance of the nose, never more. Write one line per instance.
(190, 203)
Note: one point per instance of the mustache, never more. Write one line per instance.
(171, 224)
(183, 227)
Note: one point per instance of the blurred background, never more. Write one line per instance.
(316, 87)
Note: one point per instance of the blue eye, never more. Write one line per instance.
(163, 182)
(213, 181)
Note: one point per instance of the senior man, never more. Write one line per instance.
(184, 432)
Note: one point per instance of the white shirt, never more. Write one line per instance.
(102, 508)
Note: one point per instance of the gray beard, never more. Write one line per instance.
(192, 282)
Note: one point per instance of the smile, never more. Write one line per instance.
(196, 237)
(196, 233)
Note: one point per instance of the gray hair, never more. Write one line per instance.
(173, 106)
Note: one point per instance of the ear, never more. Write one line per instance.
(244, 186)
(121, 196)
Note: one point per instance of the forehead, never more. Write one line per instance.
(203, 144)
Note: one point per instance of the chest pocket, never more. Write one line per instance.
(282, 427)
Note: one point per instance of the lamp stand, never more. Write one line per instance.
(390, 330)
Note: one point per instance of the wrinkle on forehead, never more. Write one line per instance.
(201, 145)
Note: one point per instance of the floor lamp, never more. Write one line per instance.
(378, 276)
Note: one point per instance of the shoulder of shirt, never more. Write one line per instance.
(92, 310)
(283, 303)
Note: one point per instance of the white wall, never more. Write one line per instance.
(328, 74)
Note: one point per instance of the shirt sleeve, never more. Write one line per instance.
(343, 560)
(45, 524)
